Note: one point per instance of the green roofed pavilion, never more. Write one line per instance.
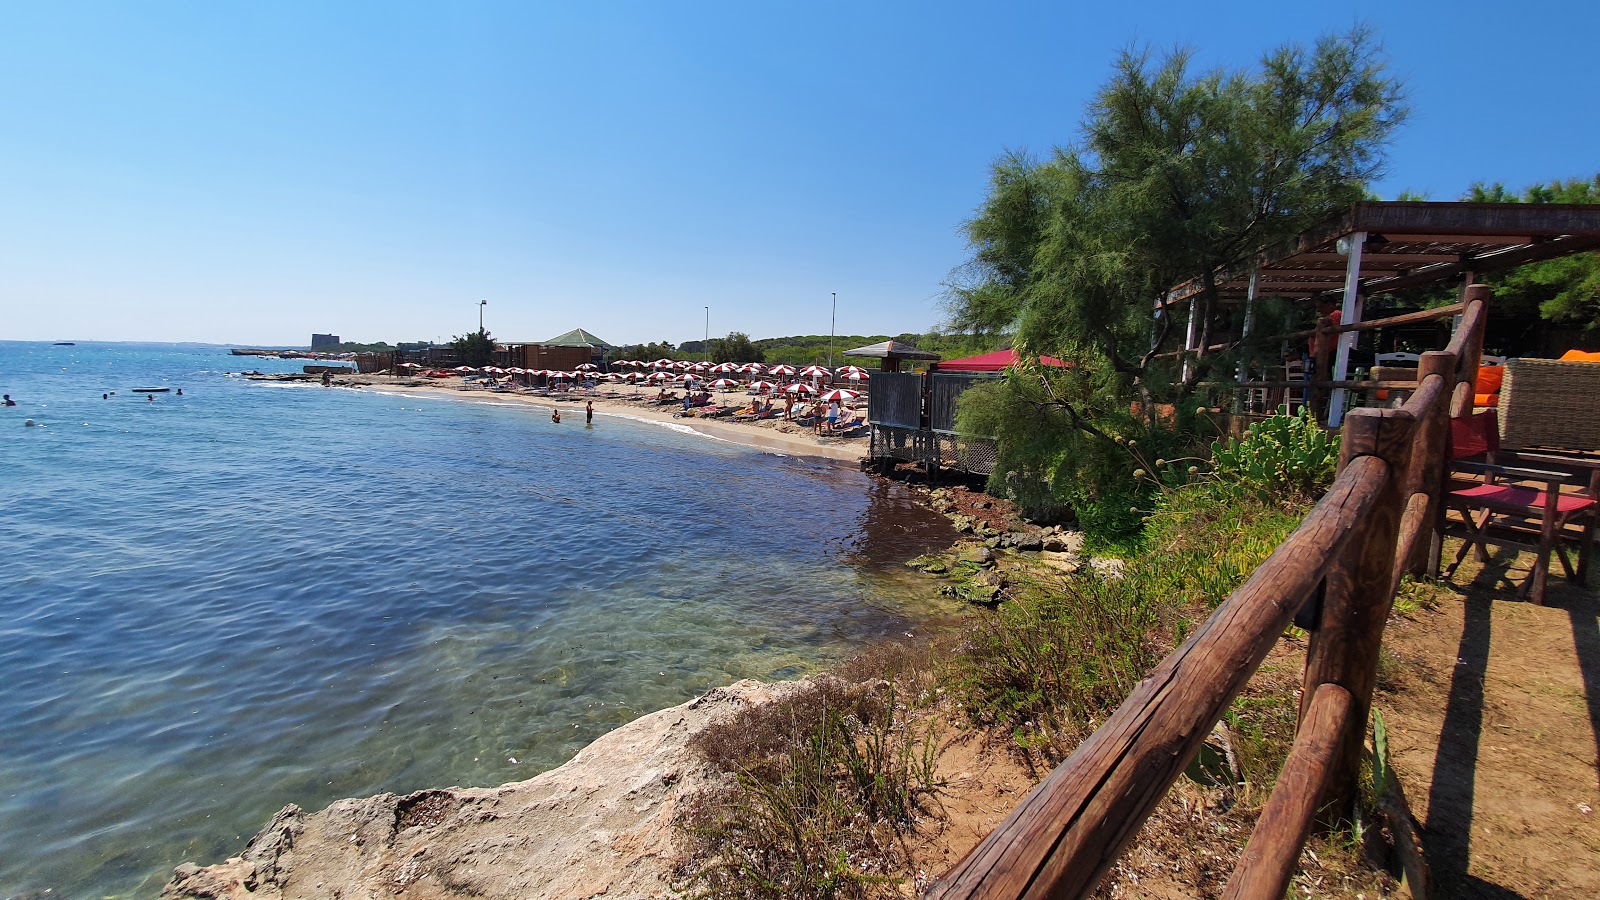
(577, 337)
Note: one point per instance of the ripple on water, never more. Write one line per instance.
(251, 596)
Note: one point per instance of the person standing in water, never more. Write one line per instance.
(555, 416)
(588, 413)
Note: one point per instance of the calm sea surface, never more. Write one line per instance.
(252, 595)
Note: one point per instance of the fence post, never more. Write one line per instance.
(1429, 460)
(1355, 606)
(1473, 316)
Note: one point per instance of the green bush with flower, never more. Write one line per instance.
(1281, 455)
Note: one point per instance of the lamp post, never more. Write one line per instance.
(481, 305)
(707, 347)
(833, 323)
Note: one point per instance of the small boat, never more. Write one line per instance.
(66, 344)
(151, 390)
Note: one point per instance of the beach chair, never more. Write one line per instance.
(1525, 506)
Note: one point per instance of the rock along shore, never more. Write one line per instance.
(598, 825)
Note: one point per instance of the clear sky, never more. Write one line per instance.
(254, 172)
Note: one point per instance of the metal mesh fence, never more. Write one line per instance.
(975, 455)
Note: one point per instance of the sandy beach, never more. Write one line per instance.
(774, 435)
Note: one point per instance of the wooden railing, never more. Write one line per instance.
(1346, 558)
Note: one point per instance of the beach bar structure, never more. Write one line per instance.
(1377, 248)
(912, 416)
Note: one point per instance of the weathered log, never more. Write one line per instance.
(1069, 830)
(1270, 859)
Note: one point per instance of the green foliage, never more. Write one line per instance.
(1281, 454)
(829, 780)
(1055, 656)
(1177, 173)
(647, 352)
(736, 347)
(475, 349)
(1563, 290)
(1066, 439)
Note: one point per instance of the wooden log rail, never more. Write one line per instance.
(1357, 542)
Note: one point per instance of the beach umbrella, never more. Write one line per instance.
(723, 368)
(661, 364)
(686, 378)
(516, 370)
(762, 386)
(781, 370)
(857, 377)
(699, 367)
(494, 370)
(659, 377)
(816, 372)
(682, 364)
(800, 387)
(588, 367)
(409, 366)
(465, 369)
(847, 371)
(841, 395)
(753, 368)
(723, 384)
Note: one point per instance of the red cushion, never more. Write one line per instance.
(1474, 435)
(1505, 496)
(1580, 356)
(1486, 401)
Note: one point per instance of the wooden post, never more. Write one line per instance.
(1429, 460)
(1319, 365)
(1270, 859)
(1344, 647)
(1468, 345)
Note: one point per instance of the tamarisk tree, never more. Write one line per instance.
(1175, 174)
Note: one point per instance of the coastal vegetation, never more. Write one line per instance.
(474, 348)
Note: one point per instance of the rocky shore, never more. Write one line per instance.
(599, 825)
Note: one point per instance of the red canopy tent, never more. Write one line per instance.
(991, 362)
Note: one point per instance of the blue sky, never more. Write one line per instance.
(252, 173)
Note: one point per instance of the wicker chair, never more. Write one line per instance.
(1528, 473)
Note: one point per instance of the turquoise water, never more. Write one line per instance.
(252, 595)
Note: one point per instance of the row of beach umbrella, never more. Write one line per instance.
(690, 371)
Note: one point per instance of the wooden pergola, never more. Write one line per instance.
(1379, 247)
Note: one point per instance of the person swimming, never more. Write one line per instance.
(555, 416)
(9, 401)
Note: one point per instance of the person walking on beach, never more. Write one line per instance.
(788, 407)
(588, 413)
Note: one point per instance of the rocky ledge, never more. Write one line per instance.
(600, 825)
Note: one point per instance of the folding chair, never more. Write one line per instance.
(1521, 505)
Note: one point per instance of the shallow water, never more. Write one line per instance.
(255, 594)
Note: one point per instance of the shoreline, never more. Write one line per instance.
(756, 437)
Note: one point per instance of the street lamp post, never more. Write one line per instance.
(707, 347)
(481, 305)
(832, 324)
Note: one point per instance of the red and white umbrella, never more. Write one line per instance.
(800, 387)
(846, 371)
(857, 377)
(636, 376)
(554, 374)
(588, 367)
(723, 384)
(494, 370)
(661, 364)
(659, 377)
(841, 395)
(682, 364)
(753, 368)
(465, 369)
(781, 370)
(816, 372)
(762, 386)
(409, 366)
(516, 370)
(700, 367)
(724, 368)
(686, 378)
(615, 376)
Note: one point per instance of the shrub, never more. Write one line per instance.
(1281, 454)
(826, 782)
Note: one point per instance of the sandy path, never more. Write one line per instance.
(1494, 730)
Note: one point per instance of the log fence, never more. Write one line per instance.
(1347, 559)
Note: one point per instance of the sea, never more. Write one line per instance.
(254, 594)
